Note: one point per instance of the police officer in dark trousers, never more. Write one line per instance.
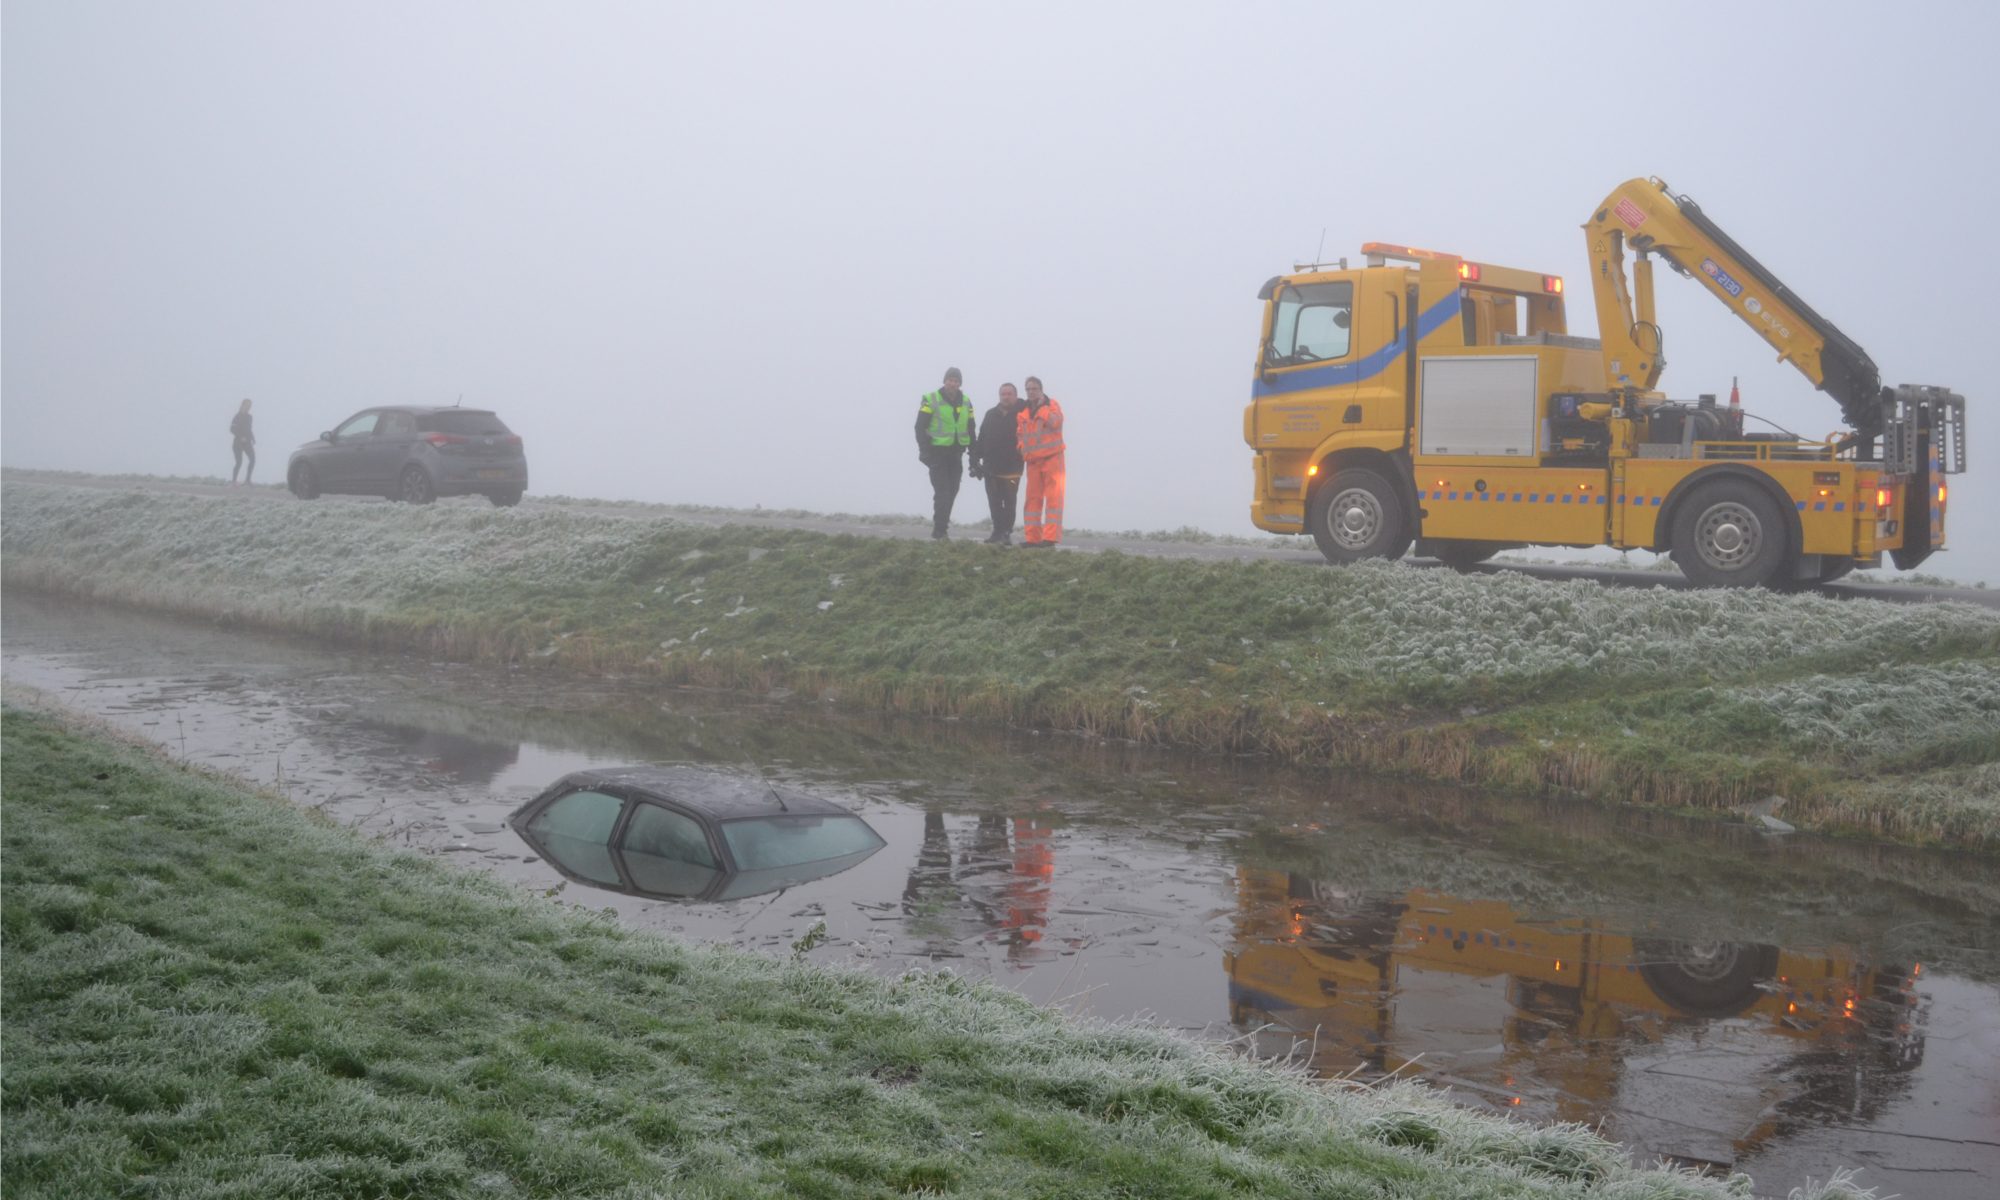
(944, 431)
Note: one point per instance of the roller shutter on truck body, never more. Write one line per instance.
(1485, 407)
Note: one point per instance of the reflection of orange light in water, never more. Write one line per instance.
(1028, 892)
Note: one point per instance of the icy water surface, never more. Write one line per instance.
(1777, 1006)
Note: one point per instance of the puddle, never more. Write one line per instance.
(1708, 993)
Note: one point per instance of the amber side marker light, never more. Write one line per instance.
(1469, 272)
(1313, 470)
(1552, 284)
(1881, 497)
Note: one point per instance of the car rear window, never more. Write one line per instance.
(760, 843)
(469, 422)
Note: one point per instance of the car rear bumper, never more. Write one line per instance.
(464, 479)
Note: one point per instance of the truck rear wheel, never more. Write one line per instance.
(1729, 533)
(1462, 556)
(1355, 515)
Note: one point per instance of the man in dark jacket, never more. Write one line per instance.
(944, 433)
(996, 458)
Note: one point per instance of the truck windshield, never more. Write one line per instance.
(1311, 324)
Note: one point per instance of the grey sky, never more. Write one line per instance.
(714, 253)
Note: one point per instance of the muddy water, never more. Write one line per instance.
(1777, 1006)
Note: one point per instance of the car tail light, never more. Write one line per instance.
(446, 439)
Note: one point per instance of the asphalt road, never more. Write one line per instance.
(1298, 551)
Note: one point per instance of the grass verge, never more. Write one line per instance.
(208, 994)
(1867, 716)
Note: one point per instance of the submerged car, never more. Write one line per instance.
(676, 832)
(415, 454)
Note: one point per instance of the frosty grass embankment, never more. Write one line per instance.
(1866, 716)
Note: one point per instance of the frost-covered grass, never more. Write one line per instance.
(207, 994)
(1683, 698)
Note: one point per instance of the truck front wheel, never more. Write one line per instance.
(1356, 515)
(1729, 533)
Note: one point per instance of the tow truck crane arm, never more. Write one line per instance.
(1647, 217)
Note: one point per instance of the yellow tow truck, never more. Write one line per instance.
(1431, 399)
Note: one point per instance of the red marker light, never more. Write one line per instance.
(1552, 284)
(1469, 272)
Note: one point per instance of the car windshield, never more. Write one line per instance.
(468, 422)
(761, 843)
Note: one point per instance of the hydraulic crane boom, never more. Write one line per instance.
(1647, 217)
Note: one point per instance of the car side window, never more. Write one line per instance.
(575, 831)
(358, 426)
(667, 853)
(397, 424)
(667, 834)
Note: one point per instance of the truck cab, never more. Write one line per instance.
(1432, 374)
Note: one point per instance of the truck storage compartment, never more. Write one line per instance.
(1479, 407)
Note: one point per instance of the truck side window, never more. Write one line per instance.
(1311, 324)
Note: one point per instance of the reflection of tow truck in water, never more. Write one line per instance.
(1569, 1020)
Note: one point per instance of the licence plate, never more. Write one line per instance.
(493, 474)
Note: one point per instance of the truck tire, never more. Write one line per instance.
(1729, 533)
(1462, 556)
(1357, 514)
(1706, 979)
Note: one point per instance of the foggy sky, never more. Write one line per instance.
(713, 254)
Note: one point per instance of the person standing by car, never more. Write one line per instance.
(944, 432)
(1040, 427)
(996, 458)
(243, 442)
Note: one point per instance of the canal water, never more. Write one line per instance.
(1711, 994)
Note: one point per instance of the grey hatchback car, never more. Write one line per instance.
(415, 454)
(689, 832)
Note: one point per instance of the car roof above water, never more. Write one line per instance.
(722, 795)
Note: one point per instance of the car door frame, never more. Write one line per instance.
(384, 452)
(341, 466)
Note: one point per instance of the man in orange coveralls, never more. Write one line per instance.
(1040, 426)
